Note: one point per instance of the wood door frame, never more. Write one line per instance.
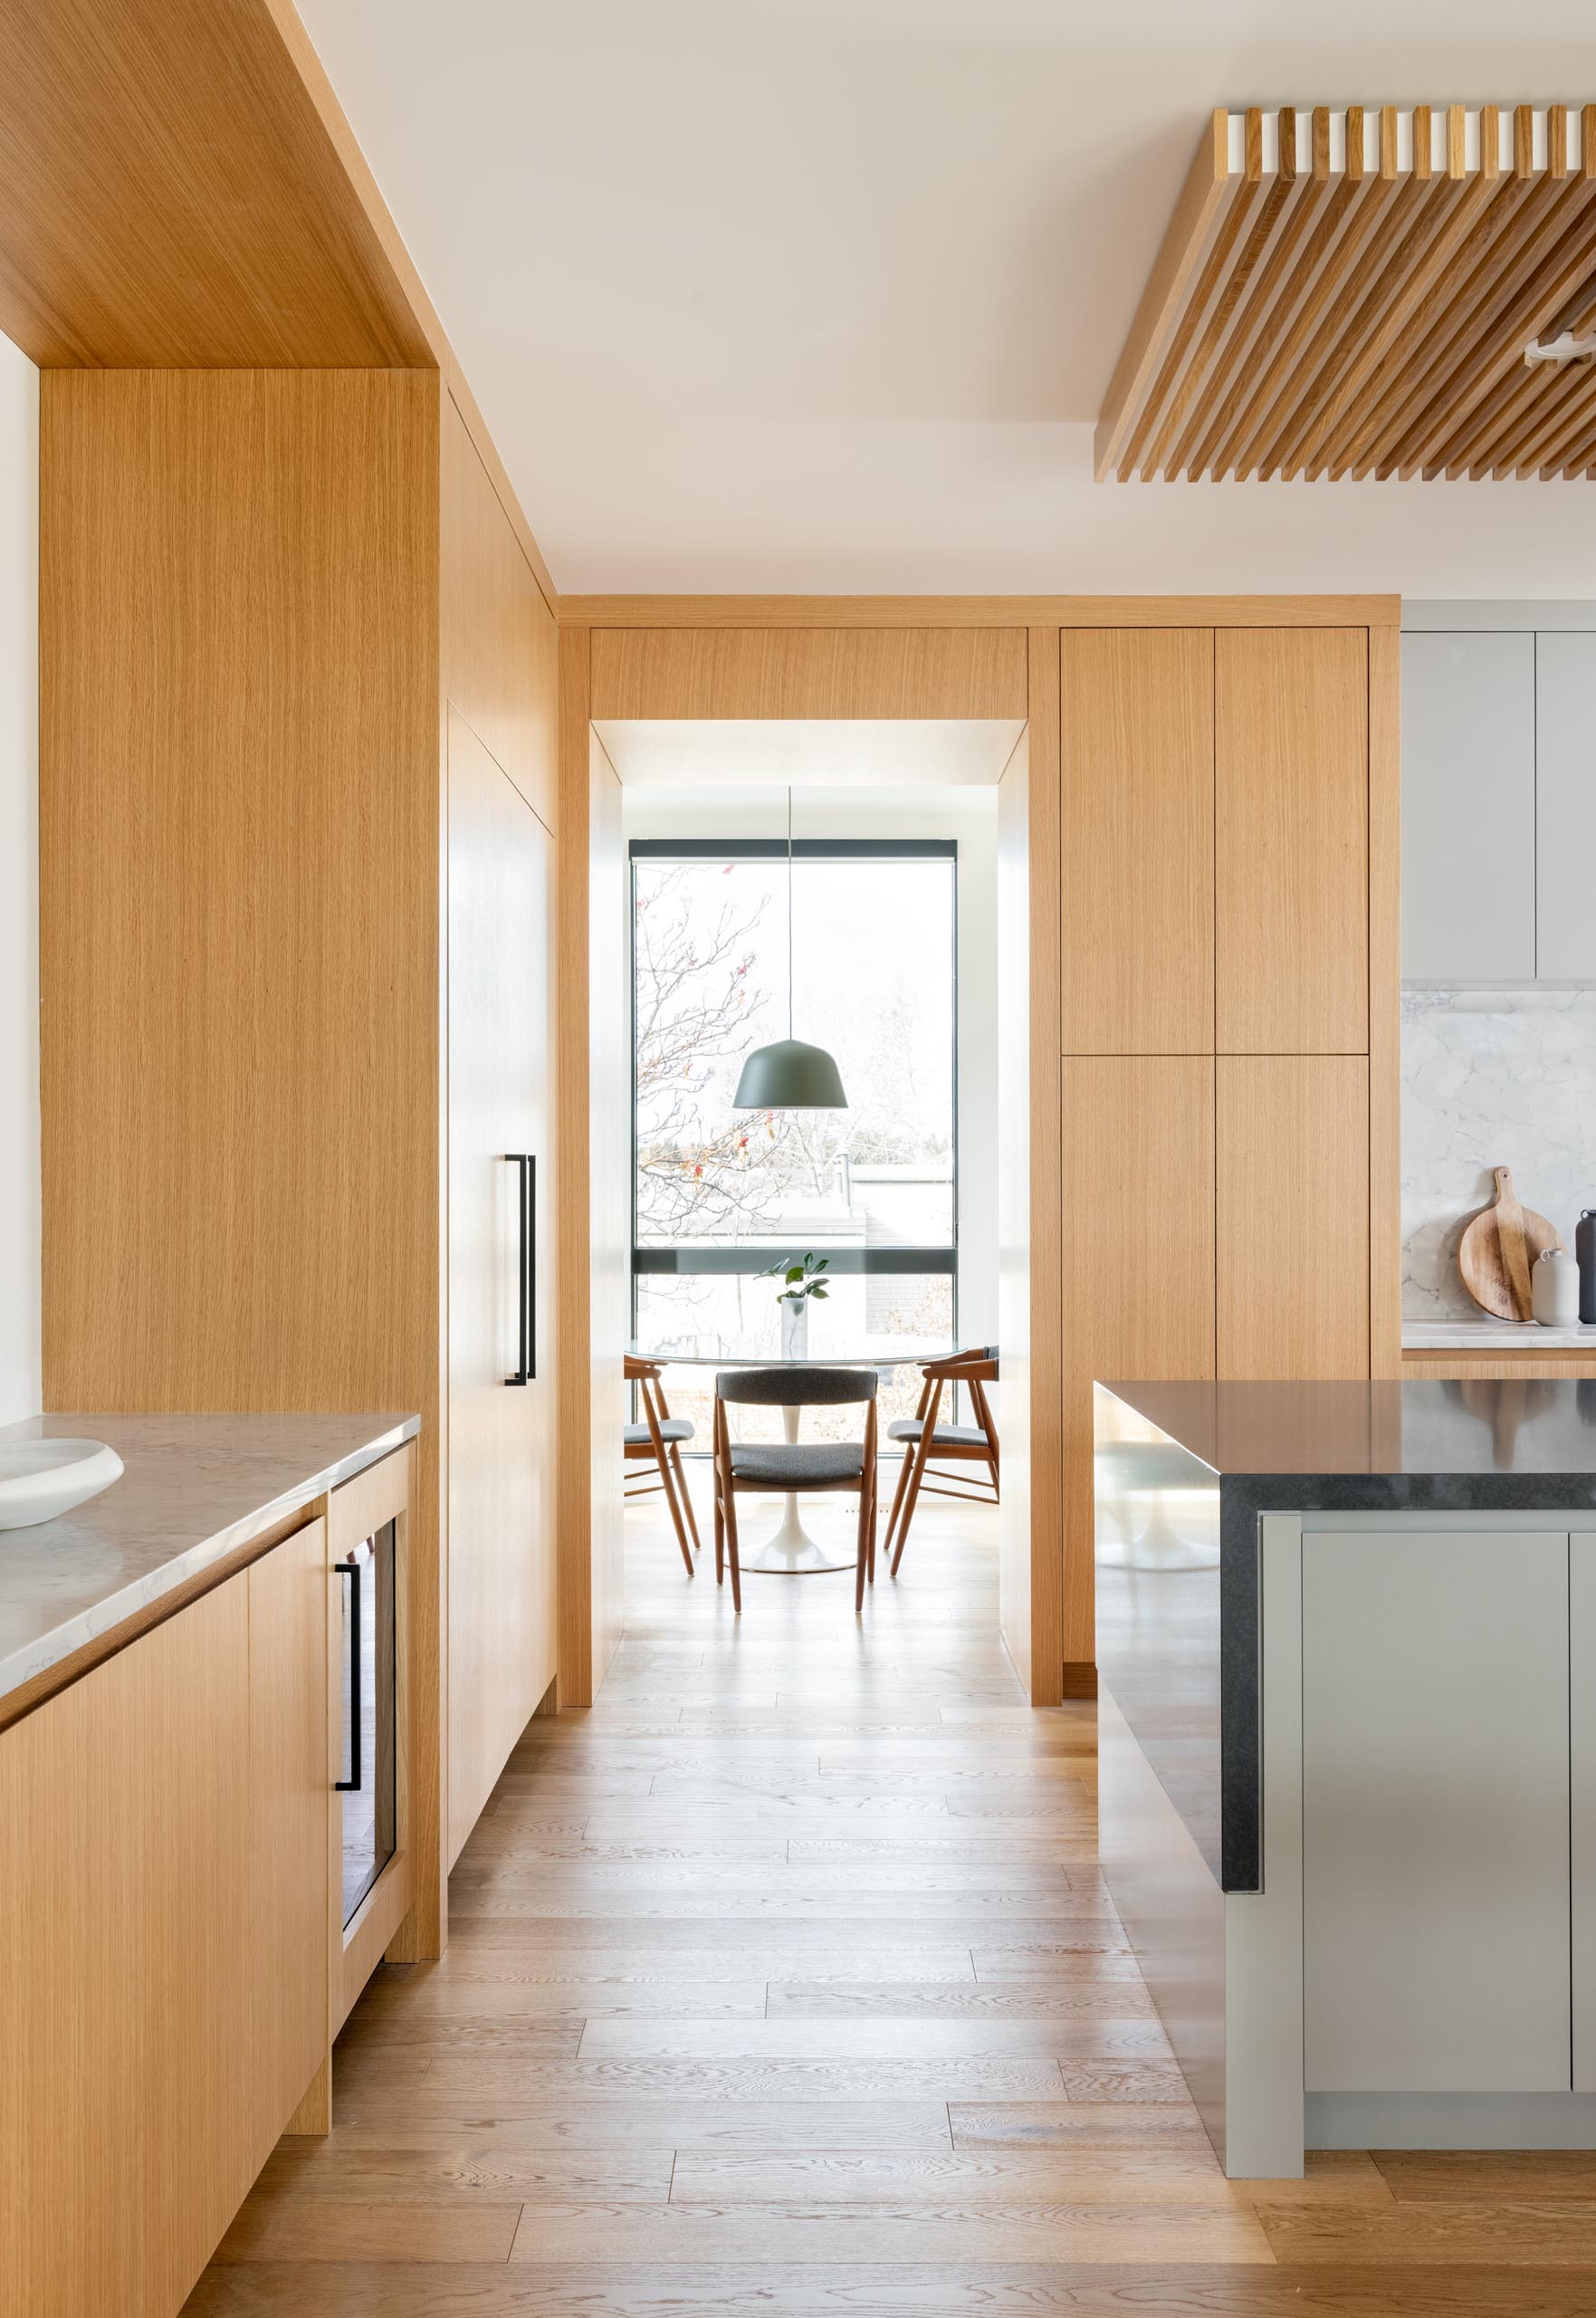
(799, 668)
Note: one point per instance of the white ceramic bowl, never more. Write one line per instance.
(40, 1478)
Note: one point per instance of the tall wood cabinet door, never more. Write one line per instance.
(1138, 1275)
(289, 1801)
(1291, 1241)
(1291, 728)
(124, 1999)
(1137, 840)
(501, 1571)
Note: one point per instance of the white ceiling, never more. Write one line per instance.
(757, 296)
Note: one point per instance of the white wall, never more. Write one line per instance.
(20, 1390)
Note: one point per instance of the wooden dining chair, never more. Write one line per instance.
(795, 1468)
(658, 1441)
(924, 1438)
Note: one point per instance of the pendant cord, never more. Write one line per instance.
(789, 916)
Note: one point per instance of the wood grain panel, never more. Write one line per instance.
(801, 671)
(501, 1526)
(290, 1805)
(594, 1231)
(1353, 293)
(175, 200)
(501, 646)
(1385, 1004)
(633, 612)
(239, 917)
(1292, 842)
(1137, 1283)
(125, 2116)
(1291, 1235)
(1016, 1537)
(1137, 841)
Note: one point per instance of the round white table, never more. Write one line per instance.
(790, 1551)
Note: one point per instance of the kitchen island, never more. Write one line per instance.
(1348, 1754)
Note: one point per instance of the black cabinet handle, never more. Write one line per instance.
(527, 1369)
(351, 1785)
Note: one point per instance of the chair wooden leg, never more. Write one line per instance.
(863, 1548)
(891, 1518)
(731, 1546)
(874, 1508)
(685, 1493)
(664, 1474)
(720, 1528)
(921, 1454)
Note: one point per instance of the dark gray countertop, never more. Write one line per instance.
(195, 1487)
(1531, 1427)
(1183, 1470)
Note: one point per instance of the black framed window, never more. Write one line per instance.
(720, 1194)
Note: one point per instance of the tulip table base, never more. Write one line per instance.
(790, 1551)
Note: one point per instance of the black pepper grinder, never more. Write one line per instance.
(1585, 1252)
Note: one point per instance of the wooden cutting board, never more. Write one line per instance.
(1498, 1246)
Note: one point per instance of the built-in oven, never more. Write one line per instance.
(368, 1786)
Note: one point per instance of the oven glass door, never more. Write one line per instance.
(367, 1784)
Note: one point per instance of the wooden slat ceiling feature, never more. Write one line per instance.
(1353, 293)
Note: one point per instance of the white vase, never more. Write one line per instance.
(795, 1327)
(1554, 1289)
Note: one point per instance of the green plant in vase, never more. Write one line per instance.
(801, 1278)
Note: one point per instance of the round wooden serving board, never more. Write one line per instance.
(1498, 1246)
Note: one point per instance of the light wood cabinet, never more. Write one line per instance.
(288, 1842)
(1136, 1292)
(259, 730)
(126, 2126)
(1291, 725)
(1136, 841)
(502, 1636)
(1291, 1236)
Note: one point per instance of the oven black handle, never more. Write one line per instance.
(526, 1267)
(351, 1570)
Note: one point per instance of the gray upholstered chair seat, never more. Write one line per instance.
(842, 1461)
(966, 1436)
(673, 1428)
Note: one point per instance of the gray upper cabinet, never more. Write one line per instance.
(1468, 806)
(1565, 804)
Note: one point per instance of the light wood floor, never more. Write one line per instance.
(782, 1984)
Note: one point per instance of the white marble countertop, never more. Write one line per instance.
(1487, 1334)
(195, 1489)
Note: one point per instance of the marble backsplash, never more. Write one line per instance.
(1490, 1077)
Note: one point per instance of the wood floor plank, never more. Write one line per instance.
(468, 2168)
(1497, 2176)
(1119, 1995)
(778, 2234)
(850, 2041)
(1548, 2233)
(277, 2227)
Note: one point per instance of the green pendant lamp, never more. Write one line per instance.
(790, 1075)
